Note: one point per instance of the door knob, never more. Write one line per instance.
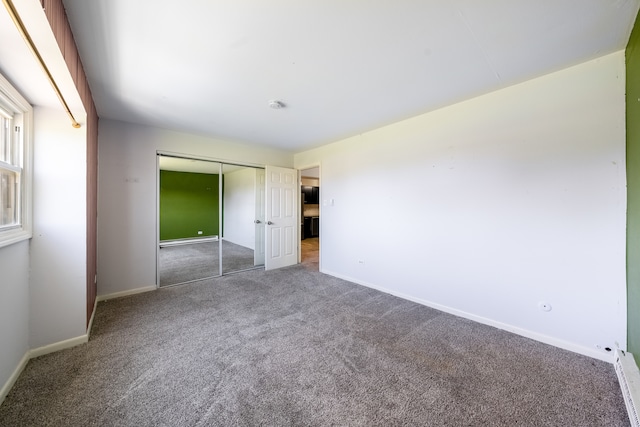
(257, 221)
(269, 223)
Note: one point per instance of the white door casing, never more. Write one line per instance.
(259, 251)
(282, 217)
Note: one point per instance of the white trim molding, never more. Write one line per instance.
(6, 388)
(11, 99)
(125, 293)
(586, 351)
(61, 345)
(36, 352)
(93, 315)
(57, 346)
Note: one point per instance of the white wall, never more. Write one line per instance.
(43, 286)
(58, 248)
(42, 280)
(490, 206)
(240, 207)
(127, 195)
(14, 308)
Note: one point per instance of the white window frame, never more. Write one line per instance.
(12, 101)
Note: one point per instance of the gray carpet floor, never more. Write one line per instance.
(294, 347)
(184, 263)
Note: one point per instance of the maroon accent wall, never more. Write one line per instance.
(57, 17)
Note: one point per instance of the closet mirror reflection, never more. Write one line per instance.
(242, 218)
(211, 219)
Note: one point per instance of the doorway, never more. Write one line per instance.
(310, 206)
(211, 219)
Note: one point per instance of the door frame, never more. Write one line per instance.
(320, 204)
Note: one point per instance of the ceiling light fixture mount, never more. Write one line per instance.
(276, 105)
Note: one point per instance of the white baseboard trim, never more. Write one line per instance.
(93, 315)
(61, 345)
(14, 377)
(189, 241)
(565, 345)
(125, 293)
(57, 346)
(36, 352)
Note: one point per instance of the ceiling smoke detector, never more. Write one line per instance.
(276, 105)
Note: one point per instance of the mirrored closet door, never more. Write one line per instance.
(211, 219)
(242, 218)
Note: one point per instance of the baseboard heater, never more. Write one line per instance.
(629, 378)
(178, 242)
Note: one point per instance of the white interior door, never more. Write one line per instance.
(259, 248)
(282, 217)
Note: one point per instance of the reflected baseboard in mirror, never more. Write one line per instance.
(196, 261)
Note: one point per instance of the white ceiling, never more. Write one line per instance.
(210, 67)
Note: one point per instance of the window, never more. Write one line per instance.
(15, 165)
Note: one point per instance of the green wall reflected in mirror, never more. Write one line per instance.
(189, 205)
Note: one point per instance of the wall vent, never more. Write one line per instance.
(629, 378)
